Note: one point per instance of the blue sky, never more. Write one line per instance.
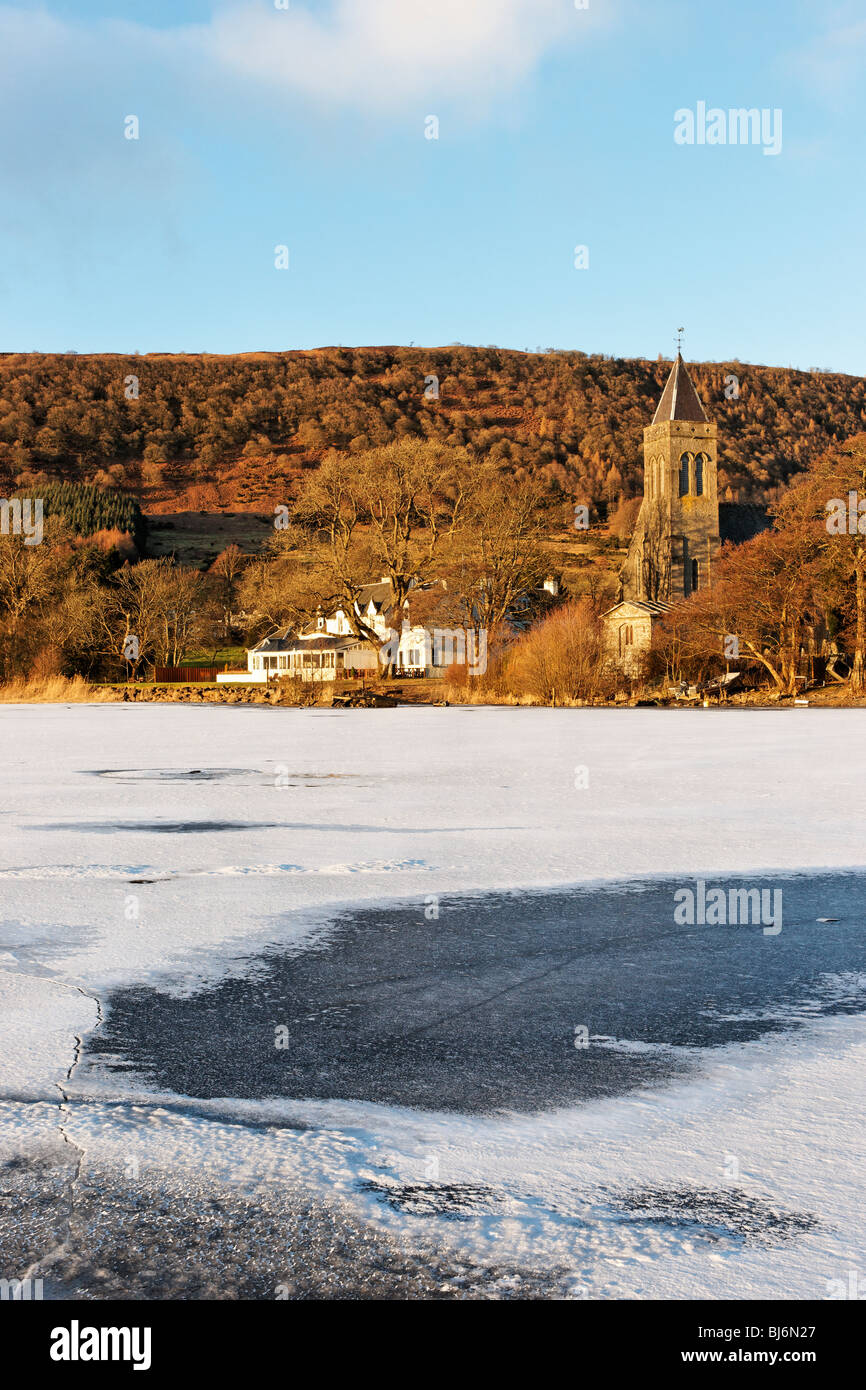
(305, 127)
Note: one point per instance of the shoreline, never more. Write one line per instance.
(80, 692)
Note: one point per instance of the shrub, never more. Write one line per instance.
(562, 659)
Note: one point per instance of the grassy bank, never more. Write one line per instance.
(76, 690)
(61, 690)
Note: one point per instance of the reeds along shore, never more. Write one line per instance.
(57, 690)
(63, 690)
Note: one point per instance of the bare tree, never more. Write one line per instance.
(763, 594)
(500, 544)
(815, 513)
(148, 612)
(387, 513)
(655, 561)
(227, 569)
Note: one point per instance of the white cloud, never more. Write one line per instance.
(384, 53)
(373, 55)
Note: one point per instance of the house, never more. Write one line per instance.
(413, 648)
(312, 655)
(329, 650)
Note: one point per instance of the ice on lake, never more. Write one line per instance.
(436, 909)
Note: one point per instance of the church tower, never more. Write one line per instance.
(676, 538)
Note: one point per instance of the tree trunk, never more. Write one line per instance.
(858, 677)
(793, 663)
(768, 665)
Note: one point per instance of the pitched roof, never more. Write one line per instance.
(278, 641)
(680, 400)
(647, 605)
(323, 642)
(287, 640)
(381, 593)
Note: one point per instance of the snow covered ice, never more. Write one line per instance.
(173, 853)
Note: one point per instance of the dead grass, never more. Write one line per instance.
(76, 690)
(60, 690)
(461, 694)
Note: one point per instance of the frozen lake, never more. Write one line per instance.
(418, 971)
(476, 1010)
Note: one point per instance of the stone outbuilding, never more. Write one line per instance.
(629, 629)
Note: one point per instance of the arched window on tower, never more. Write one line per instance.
(695, 575)
(699, 475)
(685, 460)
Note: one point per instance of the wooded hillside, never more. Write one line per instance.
(238, 432)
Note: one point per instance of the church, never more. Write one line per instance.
(681, 526)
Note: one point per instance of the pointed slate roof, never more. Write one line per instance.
(680, 400)
(648, 605)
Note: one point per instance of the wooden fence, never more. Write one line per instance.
(186, 675)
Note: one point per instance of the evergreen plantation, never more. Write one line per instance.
(87, 509)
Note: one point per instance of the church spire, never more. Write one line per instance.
(680, 400)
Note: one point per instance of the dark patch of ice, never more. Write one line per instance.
(477, 1011)
(159, 827)
(714, 1214)
(457, 1201)
(264, 776)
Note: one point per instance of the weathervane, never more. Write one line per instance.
(680, 332)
